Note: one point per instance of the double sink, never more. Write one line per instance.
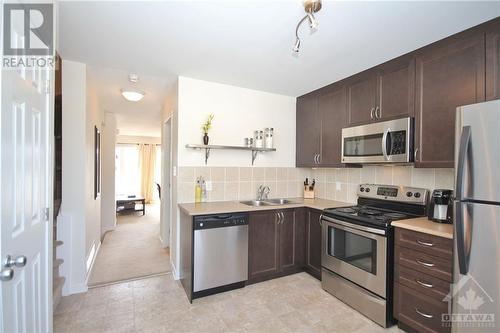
(267, 202)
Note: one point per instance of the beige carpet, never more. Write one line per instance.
(132, 250)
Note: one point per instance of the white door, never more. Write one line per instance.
(25, 233)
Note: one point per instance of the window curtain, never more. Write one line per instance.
(147, 155)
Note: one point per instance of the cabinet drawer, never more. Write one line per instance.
(421, 313)
(434, 245)
(425, 263)
(422, 283)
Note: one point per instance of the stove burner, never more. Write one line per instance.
(370, 212)
(394, 215)
(347, 210)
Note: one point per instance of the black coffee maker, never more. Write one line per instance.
(441, 206)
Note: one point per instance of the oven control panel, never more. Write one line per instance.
(394, 193)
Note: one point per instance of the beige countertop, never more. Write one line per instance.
(423, 224)
(222, 207)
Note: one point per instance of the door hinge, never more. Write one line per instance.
(47, 213)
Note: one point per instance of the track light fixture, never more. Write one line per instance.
(310, 7)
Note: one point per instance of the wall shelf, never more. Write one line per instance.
(207, 148)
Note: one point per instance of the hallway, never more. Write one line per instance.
(132, 250)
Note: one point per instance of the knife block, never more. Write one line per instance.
(308, 194)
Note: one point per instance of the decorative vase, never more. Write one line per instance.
(205, 139)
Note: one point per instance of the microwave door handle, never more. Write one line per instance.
(462, 159)
(384, 143)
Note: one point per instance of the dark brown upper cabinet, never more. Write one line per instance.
(333, 115)
(449, 73)
(320, 119)
(382, 93)
(396, 89)
(308, 132)
(493, 62)
(361, 97)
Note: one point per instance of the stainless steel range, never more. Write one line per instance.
(357, 247)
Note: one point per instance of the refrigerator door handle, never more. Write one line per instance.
(462, 159)
(463, 249)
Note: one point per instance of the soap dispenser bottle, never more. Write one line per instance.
(197, 191)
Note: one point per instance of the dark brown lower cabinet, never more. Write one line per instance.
(313, 243)
(276, 244)
(422, 277)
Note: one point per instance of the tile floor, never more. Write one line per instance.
(123, 251)
(295, 303)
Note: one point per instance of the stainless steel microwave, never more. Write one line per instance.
(380, 143)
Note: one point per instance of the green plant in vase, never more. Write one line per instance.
(206, 127)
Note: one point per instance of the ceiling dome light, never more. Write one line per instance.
(132, 95)
(310, 7)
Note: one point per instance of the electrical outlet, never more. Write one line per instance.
(208, 185)
(337, 186)
(174, 171)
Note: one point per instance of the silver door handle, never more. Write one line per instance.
(424, 243)
(19, 261)
(371, 113)
(7, 274)
(384, 144)
(314, 158)
(282, 217)
(378, 113)
(423, 263)
(415, 153)
(319, 158)
(423, 284)
(425, 315)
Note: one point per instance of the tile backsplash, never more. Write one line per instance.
(235, 183)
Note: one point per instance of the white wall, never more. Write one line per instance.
(95, 117)
(71, 220)
(79, 223)
(170, 111)
(238, 112)
(108, 144)
(138, 139)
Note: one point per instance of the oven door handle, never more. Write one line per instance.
(351, 226)
(384, 144)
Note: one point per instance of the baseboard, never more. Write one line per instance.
(175, 273)
(92, 257)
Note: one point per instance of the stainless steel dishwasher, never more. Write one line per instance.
(220, 248)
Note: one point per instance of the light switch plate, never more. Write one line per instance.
(337, 186)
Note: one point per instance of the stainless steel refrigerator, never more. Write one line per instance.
(476, 289)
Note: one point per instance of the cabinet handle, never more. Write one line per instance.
(426, 264)
(315, 158)
(415, 154)
(425, 315)
(371, 113)
(378, 113)
(319, 158)
(423, 284)
(424, 243)
(282, 217)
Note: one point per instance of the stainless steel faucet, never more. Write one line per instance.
(263, 192)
